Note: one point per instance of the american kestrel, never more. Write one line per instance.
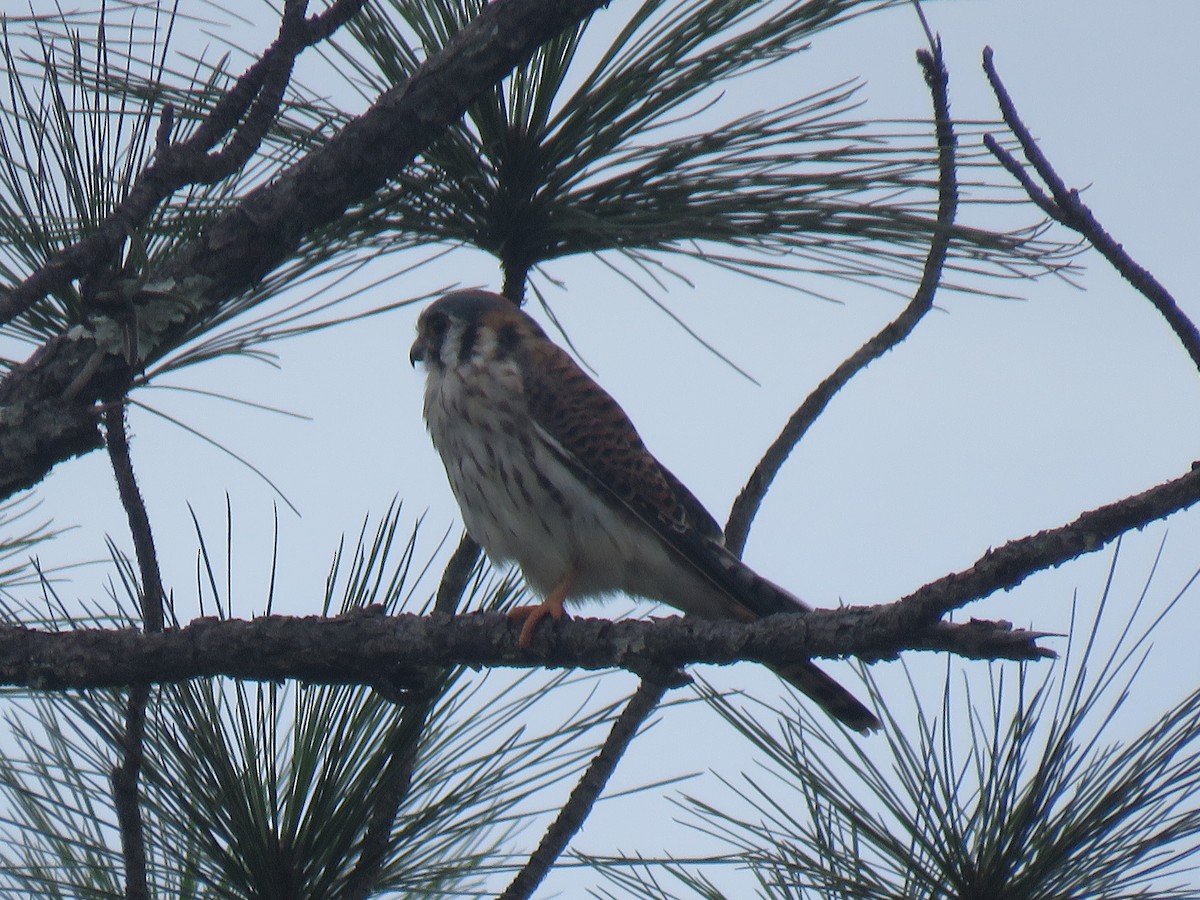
(550, 473)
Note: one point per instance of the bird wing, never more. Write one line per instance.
(596, 440)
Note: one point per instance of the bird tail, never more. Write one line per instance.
(828, 694)
(760, 597)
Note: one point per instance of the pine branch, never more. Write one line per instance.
(1006, 567)
(126, 776)
(127, 796)
(45, 404)
(255, 97)
(152, 594)
(368, 649)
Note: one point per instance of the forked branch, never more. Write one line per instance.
(1065, 206)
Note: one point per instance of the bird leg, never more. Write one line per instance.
(551, 607)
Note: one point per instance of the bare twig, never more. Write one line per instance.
(748, 502)
(257, 98)
(126, 799)
(573, 813)
(1064, 205)
(125, 777)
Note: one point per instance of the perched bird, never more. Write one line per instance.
(550, 473)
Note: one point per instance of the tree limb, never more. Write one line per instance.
(362, 648)
(1008, 566)
(259, 90)
(152, 592)
(45, 403)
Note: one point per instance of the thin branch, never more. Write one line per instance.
(457, 573)
(39, 426)
(1007, 566)
(1065, 206)
(125, 777)
(571, 817)
(322, 27)
(206, 167)
(745, 507)
(152, 595)
(126, 798)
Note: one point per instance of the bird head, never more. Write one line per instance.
(470, 326)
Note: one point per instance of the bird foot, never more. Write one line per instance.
(532, 615)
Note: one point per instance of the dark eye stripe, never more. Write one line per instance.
(507, 339)
(466, 342)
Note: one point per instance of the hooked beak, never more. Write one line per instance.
(416, 353)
